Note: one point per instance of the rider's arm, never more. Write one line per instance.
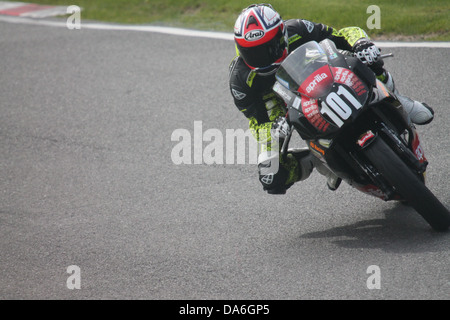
(353, 39)
(261, 119)
(350, 34)
(301, 31)
(260, 109)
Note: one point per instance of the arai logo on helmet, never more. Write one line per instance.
(254, 35)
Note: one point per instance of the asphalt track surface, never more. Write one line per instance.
(87, 179)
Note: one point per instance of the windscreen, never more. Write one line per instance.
(300, 64)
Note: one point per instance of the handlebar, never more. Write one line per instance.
(383, 56)
(387, 55)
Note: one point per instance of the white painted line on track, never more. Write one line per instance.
(189, 32)
(430, 44)
(118, 27)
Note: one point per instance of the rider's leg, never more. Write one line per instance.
(419, 112)
(277, 175)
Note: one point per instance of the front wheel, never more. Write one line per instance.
(408, 184)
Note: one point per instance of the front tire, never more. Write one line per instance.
(408, 184)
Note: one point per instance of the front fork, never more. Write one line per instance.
(415, 158)
(284, 147)
(410, 149)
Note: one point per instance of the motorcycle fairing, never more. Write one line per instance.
(330, 92)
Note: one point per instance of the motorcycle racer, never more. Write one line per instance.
(263, 40)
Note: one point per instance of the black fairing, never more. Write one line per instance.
(306, 130)
(290, 87)
(378, 107)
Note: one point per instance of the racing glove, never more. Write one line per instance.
(280, 129)
(366, 51)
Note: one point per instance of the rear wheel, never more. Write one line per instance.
(408, 184)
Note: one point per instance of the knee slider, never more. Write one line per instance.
(271, 174)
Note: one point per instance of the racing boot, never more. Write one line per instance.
(419, 113)
(308, 162)
(305, 161)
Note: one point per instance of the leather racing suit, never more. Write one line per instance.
(253, 96)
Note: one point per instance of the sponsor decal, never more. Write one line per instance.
(254, 35)
(317, 83)
(419, 153)
(296, 103)
(366, 137)
(309, 25)
(315, 147)
(417, 148)
(238, 95)
(347, 77)
(294, 38)
(267, 179)
(282, 92)
(282, 82)
(310, 109)
(317, 79)
(383, 88)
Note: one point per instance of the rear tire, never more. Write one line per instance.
(408, 184)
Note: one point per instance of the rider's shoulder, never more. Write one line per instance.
(239, 64)
(300, 25)
(239, 71)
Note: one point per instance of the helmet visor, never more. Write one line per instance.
(265, 54)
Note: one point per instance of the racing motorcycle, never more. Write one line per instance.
(356, 127)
